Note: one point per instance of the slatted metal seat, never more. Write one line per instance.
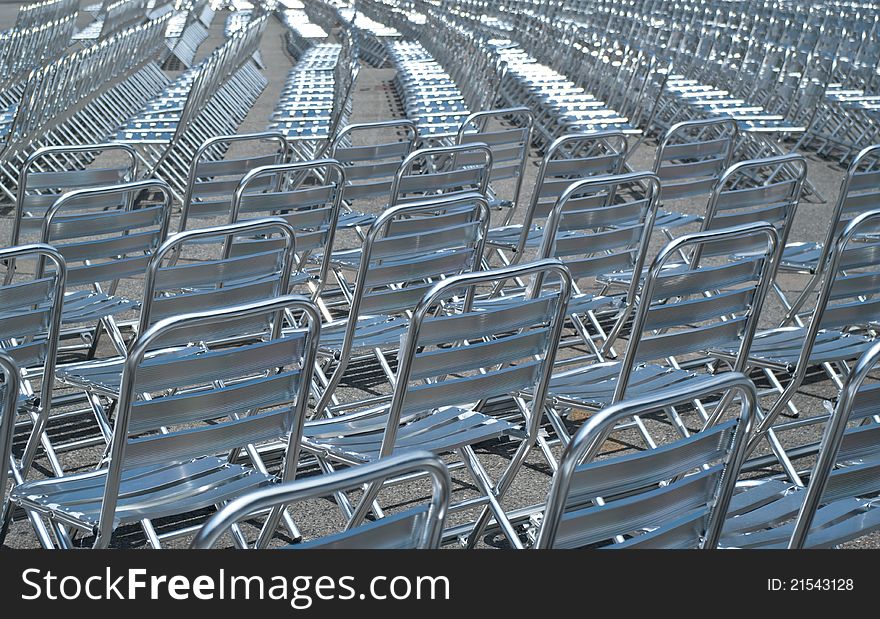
(678, 314)
(216, 404)
(448, 365)
(418, 527)
(409, 247)
(839, 502)
(673, 496)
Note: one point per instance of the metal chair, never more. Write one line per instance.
(205, 409)
(839, 502)
(449, 365)
(11, 390)
(418, 527)
(674, 496)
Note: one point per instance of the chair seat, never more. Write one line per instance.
(353, 219)
(781, 347)
(359, 435)
(371, 332)
(796, 257)
(152, 492)
(762, 516)
(579, 303)
(105, 375)
(593, 385)
(87, 306)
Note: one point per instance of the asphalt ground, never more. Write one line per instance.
(374, 99)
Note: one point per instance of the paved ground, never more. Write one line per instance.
(374, 101)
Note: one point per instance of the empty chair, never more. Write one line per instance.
(213, 178)
(839, 502)
(442, 170)
(371, 154)
(836, 331)
(184, 419)
(41, 182)
(568, 159)
(449, 365)
(674, 496)
(408, 248)
(681, 311)
(418, 527)
(508, 134)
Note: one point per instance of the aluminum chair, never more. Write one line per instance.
(206, 409)
(442, 170)
(213, 178)
(674, 496)
(681, 311)
(840, 500)
(449, 365)
(418, 527)
(837, 331)
(408, 248)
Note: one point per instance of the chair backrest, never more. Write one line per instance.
(603, 224)
(673, 496)
(686, 309)
(371, 154)
(212, 178)
(442, 170)
(308, 196)
(9, 399)
(464, 356)
(693, 155)
(52, 171)
(30, 326)
(103, 244)
(570, 158)
(756, 190)
(215, 402)
(847, 439)
(222, 275)
(509, 146)
(418, 527)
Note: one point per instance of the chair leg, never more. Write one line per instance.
(494, 492)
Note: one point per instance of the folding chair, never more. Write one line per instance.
(680, 312)
(418, 527)
(371, 154)
(407, 249)
(30, 321)
(568, 159)
(308, 196)
(11, 386)
(838, 330)
(449, 365)
(204, 410)
(213, 178)
(839, 502)
(509, 146)
(41, 182)
(104, 247)
(674, 496)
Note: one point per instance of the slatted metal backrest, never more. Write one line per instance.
(221, 276)
(418, 527)
(851, 438)
(51, 171)
(757, 190)
(673, 496)
(508, 134)
(466, 356)
(687, 308)
(693, 155)
(603, 224)
(371, 154)
(106, 244)
(213, 178)
(215, 402)
(9, 398)
(30, 327)
(307, 195)
(442, 170)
